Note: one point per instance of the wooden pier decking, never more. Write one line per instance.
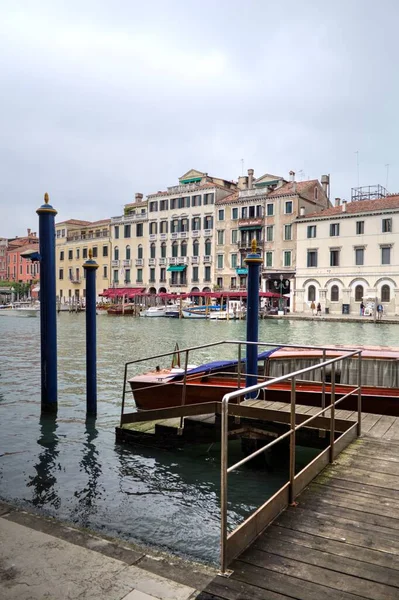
(340, 541)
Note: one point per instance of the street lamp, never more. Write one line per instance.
(281, 285)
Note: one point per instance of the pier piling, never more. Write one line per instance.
(253, 261)
(90, 267)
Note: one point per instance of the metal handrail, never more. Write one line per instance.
(225, 470)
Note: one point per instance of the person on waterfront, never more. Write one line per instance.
(380, 310)
(313, 307)
(319, 309)
(361, 309)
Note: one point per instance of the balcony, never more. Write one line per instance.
(153, 237)
(195, 260)
(163, 236)
(172, 260)
(127, 262)
(177, 283)
(208, 232)
(174, 235)
(114, 263)
(247, 245)
(183, 235)
(182, 260)
(253, 193)
(162, 261)
(129, 218)
(73, 279)
(207, 259)
(86, 236)
(152, 262)
(139, 263)
(196, 233)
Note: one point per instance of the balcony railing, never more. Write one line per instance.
(152, 262)
(196, 233)
(86, 236)
(114, 263)
(172, 260)
(182, 260)
(127, 262)
(139, 262)
(73, 279)
(177, 283)
(129, 218)
(162, 261)
(247, 244)
(153, 237)
(208, 232)
(254, 192)
(207, 258)
(195, 260)
(163, 236)
(174, 235)
(183, 235)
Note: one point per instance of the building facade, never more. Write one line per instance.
(3, 258)
(348, 253)
(74, 240)
(167, 241)
(19, 269)
(264, 209)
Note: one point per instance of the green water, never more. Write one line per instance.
(76, 472)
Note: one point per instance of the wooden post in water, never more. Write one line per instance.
(90, 266)
(253, 261)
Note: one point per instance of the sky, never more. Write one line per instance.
(100, 100)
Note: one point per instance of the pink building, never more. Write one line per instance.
(20, 269)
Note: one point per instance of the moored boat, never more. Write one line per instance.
(211, 381)
(21, 309)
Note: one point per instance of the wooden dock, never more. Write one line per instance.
(341, 540)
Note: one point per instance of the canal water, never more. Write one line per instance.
(75, 471)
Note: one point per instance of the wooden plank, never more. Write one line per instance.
(360, 475)
(340, 548)
(310, 572)
(368, 421)
(378, 465)
(355, 567)
(381, 426)
(290, 585)
(357, 496)
(339, 529)
(352, 501)
(393, 431)
(167, 413)
(348, 415)
(373, 491)
(231, 589)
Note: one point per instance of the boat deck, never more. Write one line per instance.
(340, 541)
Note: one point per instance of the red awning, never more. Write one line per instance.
(120, 292)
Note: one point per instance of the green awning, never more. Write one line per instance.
(250, 227)
(191, 180)
(242, 271)
(176, 268)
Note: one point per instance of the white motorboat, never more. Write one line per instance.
(21, 309)
(154, 311)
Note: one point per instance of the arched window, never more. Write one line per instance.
(311, 293)
(163, 250)
(385, 293)
(208, 247)
(359, 293)
(334, 293)
(127, 252)
(140, 251)
(195, 248)
(183, 249)
(116, 253)
(175, 249)
(152, 251)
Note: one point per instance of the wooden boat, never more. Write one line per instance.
(121, 309)
(163, 388)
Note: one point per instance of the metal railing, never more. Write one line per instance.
(233, 543)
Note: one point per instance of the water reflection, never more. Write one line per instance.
(44, 482)
(91, 466)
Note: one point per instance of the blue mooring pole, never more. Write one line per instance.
(48, 314)
(253, 261)
(90, 267)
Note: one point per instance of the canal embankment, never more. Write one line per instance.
(41, 558)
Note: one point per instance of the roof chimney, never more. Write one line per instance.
(138, 197)
(325, 182)
(302, 211)
(337, 201)
(250, 179)
(343, 205)
(292, 175)
(28, 232)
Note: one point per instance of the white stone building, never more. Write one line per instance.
(348, 253)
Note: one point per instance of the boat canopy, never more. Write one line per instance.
(120, 292)
(222, 364)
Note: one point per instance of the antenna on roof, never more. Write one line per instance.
(357, 165)
(386, 184)
(242, 167)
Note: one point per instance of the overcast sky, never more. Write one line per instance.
(103, 99)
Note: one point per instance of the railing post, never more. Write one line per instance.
(292, 442)
(124, 393)
(183, 400)
(223, 486)
(332, 420)
(239, 367)
(323, 384)
(359, 396)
